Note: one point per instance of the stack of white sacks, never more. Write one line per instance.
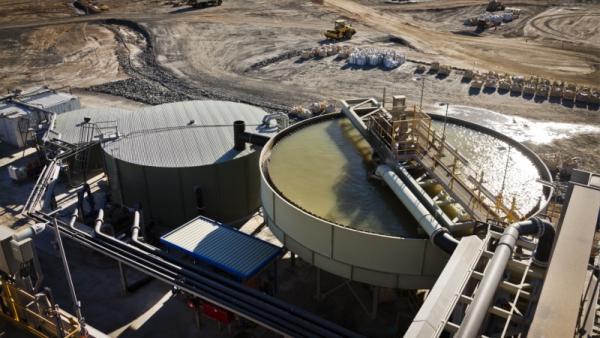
(374, 57)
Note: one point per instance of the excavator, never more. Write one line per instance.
(342, 31)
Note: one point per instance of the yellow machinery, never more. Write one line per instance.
(36, 314)
(91, 6)
(342, 31)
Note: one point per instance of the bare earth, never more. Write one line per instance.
(247, 51)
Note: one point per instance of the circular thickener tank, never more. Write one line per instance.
(319, 201)
(176, 161)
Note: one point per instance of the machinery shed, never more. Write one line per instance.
(50, 100)
(176, 161)
(239, 254)
(12, 117)
(21, 113)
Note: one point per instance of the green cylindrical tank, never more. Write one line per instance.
(177, 161)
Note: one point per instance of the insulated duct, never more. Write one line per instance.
(437, 233)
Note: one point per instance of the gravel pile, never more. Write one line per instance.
(152, 84)
(140, 90)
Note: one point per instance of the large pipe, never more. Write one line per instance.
(29, 232)
(427, 201)
(218, 287)
(437, 233)
(241, 137)
(135, 232)
(477, 311)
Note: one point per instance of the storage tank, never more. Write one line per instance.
(177, 161)
(319, 201)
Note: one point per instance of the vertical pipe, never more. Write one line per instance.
(375, 300)
(318, 284)
(239, 128)
(76, 303)
(200, 208)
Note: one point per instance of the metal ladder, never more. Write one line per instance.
(87, 132)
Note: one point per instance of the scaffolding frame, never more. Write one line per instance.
(407, 135)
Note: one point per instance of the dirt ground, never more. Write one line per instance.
(246, 51)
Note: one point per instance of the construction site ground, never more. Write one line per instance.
(247, 51)
(147, 52)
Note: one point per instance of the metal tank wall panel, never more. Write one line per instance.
(166, 152)
(313, 232)
(380, 253)
(386, 261)
(167, 195)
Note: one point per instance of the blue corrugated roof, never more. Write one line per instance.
(223, 247)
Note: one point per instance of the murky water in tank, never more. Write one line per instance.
(500, 163)
(324, 169)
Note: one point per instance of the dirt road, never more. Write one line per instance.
(517, 55)
(247, 51)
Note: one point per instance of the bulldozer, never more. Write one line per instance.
(342, 31)
(494, 6)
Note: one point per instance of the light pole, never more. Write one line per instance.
(445, 122)
(505, 169)
(422, 90)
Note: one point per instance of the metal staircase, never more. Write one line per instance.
(58, 151)
(40, 189)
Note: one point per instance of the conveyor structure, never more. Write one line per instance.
(503, 286)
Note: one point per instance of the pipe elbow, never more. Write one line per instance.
(135, 228)
(547, 234)
(73, 218)
(99, 221)
(536, 227)
(444, 240)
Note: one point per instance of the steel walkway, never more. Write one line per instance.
(410, 137)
